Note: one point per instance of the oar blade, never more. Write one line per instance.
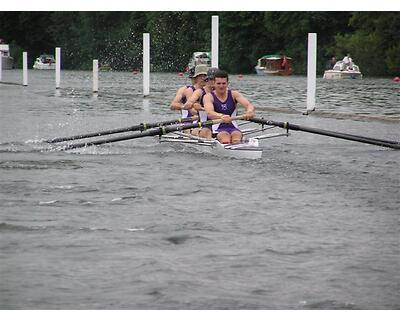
(340, 135)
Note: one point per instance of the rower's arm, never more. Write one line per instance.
(176, 103)
(193, 99)
(238, 97)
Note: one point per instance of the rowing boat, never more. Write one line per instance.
(173, 131)
(249, 148)
(246, 150)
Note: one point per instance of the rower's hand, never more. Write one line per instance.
(187, 106)
(226, 118)
(249, 115)
(198, 107)
(193, 111)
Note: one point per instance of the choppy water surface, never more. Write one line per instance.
(314, 224)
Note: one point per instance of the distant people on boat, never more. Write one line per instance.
(221, 103)
(331, 63)
(284, 62)
(196, 101)
(347, 62)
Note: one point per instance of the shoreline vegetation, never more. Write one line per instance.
(115, 38)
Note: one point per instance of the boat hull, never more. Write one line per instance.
(44, 66)
(264, 72)
(339, 75)
(248, 150)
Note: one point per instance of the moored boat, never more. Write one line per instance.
(343, 71)
(45, 62)
(200, 57)
(274, 65)
(7, 62)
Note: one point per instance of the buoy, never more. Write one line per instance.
(135, 72)
(240, 76)
(180, 74)
(396, 79)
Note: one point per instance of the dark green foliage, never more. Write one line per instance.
(116, 38)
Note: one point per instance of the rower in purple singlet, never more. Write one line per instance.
(196, 101)
(180, 99)
(200, 74)
(222, 104)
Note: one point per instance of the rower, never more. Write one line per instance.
(180, 99)
(198, 81)
(196, 101)
(222, 104)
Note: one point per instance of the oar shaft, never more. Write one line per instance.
(351, 137)
(139, 127)
(148, 133)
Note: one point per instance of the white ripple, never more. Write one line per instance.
(47, 202)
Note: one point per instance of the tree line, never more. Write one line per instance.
(115, 38)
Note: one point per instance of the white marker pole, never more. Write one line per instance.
(58, 67)
(95, 76)
(1, 65)
(146, 64)
(25, 68)
(214, 41)
(311, 71)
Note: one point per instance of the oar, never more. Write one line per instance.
(148, 133)
(139, 127)
(287, 125)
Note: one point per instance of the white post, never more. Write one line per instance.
(146, 64)
(58, 67)
(1, 65)
(25, 68)
(95, 76)
(311, 71)
(214, 41)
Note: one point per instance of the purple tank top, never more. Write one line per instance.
(226, 107)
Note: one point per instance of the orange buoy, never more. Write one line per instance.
(240, 76)
(180, 74)
(396, 79)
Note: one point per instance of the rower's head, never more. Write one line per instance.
(221, 81)
(211, 77)
(200, 74)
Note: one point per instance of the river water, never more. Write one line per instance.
(314, 224)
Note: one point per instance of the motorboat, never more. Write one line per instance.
(200, 57)
(342, 70)
(7, 62)
(45, 62)
(274, 65)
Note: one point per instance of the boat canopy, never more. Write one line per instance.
(274, 57)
